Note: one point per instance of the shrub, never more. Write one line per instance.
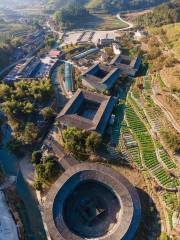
(36, 157)
(38, 185)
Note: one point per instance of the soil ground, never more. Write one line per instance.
(150, 225)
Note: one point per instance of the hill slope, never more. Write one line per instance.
(109, 5)
(161, 15)
(123, 5)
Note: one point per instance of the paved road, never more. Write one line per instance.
(122, 20)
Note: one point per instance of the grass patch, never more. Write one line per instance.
(100, 21)
(109, 22)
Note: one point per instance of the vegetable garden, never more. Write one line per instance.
(148, 150)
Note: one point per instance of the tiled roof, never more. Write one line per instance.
(104, 83)
(130, 212)
(69, 117)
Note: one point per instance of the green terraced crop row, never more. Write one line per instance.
(147, 148)
(166, 159)
(134, 151)
(138, 109)
(146, 143)
(147, 83)
(165, 179)
(119, 113)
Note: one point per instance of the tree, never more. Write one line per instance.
(164, 14)
(36, 157)
(51, 170)
(48, 114)
(93, 142)
(71, 15)
(4, 91)
(50, 41)
(172, 139)
(74, 141)
(15, 146)
(30, 133)
(163, 236)
(38, 185)
(49, 158)
(40, 171)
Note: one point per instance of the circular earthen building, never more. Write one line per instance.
(91, 201)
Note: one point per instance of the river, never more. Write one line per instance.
(29, 211)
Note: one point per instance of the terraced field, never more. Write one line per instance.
(171, 202)
(131, 146)
(148, 150)
(119, 115)
(166, 159)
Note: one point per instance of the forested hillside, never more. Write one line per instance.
(109, 5)
(161, 15)
(123, 5)
(71, 16)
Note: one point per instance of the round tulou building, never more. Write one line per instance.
(91, 201)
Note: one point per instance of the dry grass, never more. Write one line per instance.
(171, 76)
(171, 104)
(173, 37)
(170, 37)
(169, 43)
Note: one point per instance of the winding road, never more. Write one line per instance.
(72, 36)
(131, 25)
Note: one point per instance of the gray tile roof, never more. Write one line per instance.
(106, 82)
(128, 217)
(69, 115)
